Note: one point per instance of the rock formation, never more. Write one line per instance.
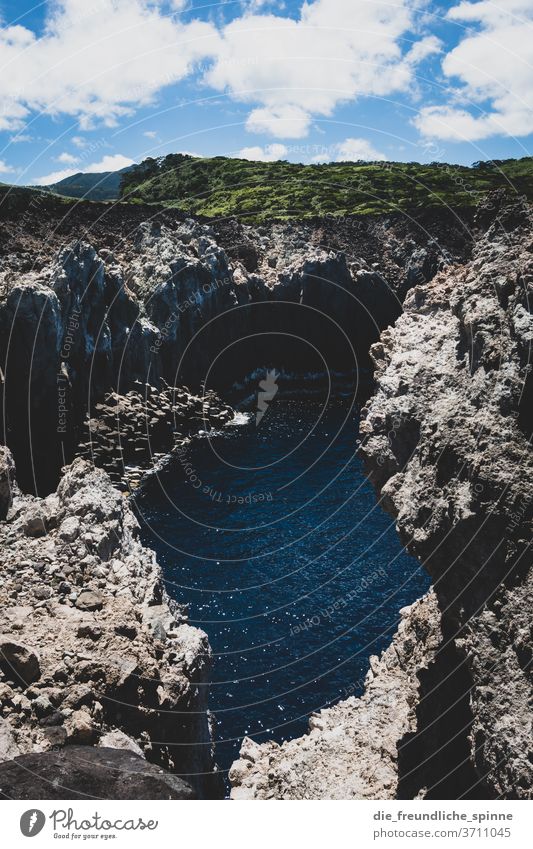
(446, 442)
(82, 772)
(92, 651)
(122, 301)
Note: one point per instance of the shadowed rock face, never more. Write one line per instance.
(82, 772)
(447, 444)
(176, 300)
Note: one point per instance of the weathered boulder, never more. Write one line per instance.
(18, 661)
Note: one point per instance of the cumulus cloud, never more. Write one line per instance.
(494, 64)
(67, 159)
(292, 70)
(350, 150)
(96, 62)
(111, 162)
(5, 168)
(269, 153)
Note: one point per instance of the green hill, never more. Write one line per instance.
(221, 187)
(103, 186)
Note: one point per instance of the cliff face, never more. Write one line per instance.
(132, 300)
(446, 442)
(92, 651)
(447, 445)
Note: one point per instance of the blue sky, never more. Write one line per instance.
(97, 84)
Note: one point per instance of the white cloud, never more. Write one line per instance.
(79, 141)
(293, 70)
(20, 138)
(55, 177)
(288, 121)
(269, 153)
(96, 62)
(5, 168)
(67, 159)
(150, 134)
(111, 162)
(352, 150)
(494, 63)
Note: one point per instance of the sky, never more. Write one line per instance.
(94, 85)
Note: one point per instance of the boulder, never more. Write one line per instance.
(84, 772)
(19, 662)
(89, 600)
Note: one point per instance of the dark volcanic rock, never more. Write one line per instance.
(84, 772)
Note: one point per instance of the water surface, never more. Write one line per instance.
(274, 538)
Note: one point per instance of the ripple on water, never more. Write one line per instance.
(273, 537)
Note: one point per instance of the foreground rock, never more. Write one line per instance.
(91, 648)
(82, 772)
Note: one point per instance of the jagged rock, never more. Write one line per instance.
(119, 740)
(7, 478)
(84, 772)
(351, 750)
(447, 445)
(446, 441)
(80, 728)
(169, 297)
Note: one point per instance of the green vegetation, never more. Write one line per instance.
(258, 191)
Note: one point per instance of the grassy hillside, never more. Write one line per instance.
(104, 186)
(264, 190)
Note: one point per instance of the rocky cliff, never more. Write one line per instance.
(447, 444)
(92, 651)
(101, 300)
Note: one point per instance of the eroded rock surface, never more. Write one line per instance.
(141, 301)
(91, 648)
(447, 444)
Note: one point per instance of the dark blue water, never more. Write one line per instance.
(274, 538)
